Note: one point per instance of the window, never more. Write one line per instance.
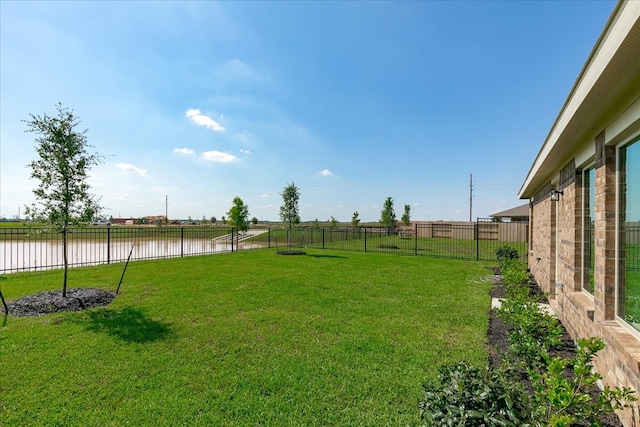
(629, 227)
(588, 230)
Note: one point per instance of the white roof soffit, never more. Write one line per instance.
(608, 83)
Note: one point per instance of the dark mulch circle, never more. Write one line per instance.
(292, 253)
(77, 299)
(388, 247)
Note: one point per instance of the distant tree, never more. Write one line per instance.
(214, 220)
(316, 223)
(63, 197)
(333, 222)
(254, 221)
(189, 220)
(406, 216)
(239, 214)
(223, 220)
(355, 220)
(203, 220)
(388, 215)
(289, 212)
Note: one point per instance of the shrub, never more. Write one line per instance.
(534, 332)
(514, 272)
(470, 396)
(561, 400)
(505, 252)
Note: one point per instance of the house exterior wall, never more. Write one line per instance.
(556, 260)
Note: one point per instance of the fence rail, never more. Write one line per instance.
(22, 249)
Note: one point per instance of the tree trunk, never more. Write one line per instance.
(65, 261)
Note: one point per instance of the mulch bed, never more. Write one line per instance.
(52, 301)
(497, 336)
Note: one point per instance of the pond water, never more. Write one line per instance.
(41, 255)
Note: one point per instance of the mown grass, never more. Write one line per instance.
(249, 338)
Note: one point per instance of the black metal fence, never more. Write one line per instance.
(22, 249)
(632, 246)
(468, 241)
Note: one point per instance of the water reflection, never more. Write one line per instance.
(40, 255)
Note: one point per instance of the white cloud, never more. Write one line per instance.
(265, 196)
(129, 169)
(201, 120)
(183, 150)
(245, 151)
(218, 156)
(325, 172)
(236, 69)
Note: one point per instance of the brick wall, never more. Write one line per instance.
(583, 314)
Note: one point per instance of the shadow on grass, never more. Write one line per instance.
(128, 324)
(326, 256)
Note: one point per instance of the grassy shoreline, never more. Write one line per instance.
(330, 338)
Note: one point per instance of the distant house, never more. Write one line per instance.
(519, 213)
(584, 197)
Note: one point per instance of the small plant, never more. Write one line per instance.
(534, 332)
(514, 272)
(560, 400)
(470, 396)
(505, 252)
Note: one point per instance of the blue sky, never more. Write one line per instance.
(352, 101)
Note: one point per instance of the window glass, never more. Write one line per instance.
(588, 216)
(630, 231)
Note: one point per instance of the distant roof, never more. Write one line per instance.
(517, 212)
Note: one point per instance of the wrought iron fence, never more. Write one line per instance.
(632, 246)
(469, 241)
(22, 249)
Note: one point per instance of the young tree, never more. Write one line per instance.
(62, 198)
(239, 214)
(254, 220)
(214, 220)
(406, 217)
(388, 215)
(333, 222)
(289, 213)
(355, 220)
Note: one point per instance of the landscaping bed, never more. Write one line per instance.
(498, 339)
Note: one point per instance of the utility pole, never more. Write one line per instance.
(470, 197)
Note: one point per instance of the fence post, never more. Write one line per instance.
(232, 230)
(108, 245)
(365, 240)
(323, 238)
(269, 238)
(181, 242)
(476, 231)
(415, 239)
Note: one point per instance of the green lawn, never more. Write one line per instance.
(249, 338)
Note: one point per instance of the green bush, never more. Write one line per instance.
(505, 252)
(561, 400)
(514, 272)
(534, 332)
(470, 396)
